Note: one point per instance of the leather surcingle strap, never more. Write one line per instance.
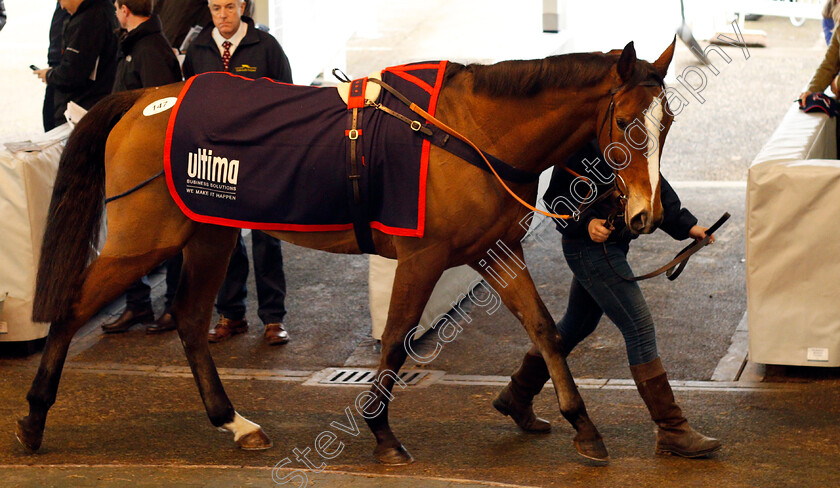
(358, 203)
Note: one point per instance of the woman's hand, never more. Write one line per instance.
(803, 96)
(598, 232)
(699, 233)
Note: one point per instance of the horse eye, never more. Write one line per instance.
(621, 123)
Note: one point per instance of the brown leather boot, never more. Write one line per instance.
(516, 400)
(674, 435)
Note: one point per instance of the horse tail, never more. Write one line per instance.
(75, 214)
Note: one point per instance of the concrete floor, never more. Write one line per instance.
(116, 429)
(128, 413)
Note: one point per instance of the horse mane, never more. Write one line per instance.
(526, 78)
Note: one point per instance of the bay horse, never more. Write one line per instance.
(528, 113)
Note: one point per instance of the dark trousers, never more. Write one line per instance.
(48, 112)
(137, 297)
(268, 273)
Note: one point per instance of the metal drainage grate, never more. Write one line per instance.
(365, 377)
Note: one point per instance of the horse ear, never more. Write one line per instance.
(626, 62)
(661, 64)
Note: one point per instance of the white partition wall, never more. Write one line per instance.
(453, 284)
(26, 182)
(793, 249)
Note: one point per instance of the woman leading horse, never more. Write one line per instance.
(528, 113)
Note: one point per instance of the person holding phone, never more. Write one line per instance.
(88, 63)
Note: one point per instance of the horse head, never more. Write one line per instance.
(633, 124)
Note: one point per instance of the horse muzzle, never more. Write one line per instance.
(642, 221)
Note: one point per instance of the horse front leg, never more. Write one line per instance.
(205, 263)
(512, 281)
(105, 279)
(414, 280)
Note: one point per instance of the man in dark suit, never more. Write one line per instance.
(233, 44)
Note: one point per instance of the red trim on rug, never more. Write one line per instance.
(167, 167)
(411, 67)
(398, 231)
(424, 155)
(279, 226)
(438, 87)
(413, 79)
(167, 152)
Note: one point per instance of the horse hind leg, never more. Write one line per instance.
(104, 280)
(517, 291)
(413, 284)
(205, 263)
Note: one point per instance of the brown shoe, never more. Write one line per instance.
(226, 328)
(165, 323)
(128, 319)
(275, 334)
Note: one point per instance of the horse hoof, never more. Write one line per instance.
(255, 441)
(393, 456)
(28, 438)
(594, 450)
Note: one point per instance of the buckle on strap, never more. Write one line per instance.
(353, 134)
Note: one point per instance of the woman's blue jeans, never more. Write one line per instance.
(596, 289)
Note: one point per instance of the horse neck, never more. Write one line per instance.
(531, 133)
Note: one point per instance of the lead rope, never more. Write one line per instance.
(449, 130)
(673, 269)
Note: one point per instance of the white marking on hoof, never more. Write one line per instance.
(240, 426)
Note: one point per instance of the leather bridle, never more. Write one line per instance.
(609, 115)
(674, 267)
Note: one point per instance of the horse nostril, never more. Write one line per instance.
(639, 221)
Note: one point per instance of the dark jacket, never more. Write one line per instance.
(558, 197)
(88, 57)
(146, 58)
(60, 17)
(258, 55)
(179, 16)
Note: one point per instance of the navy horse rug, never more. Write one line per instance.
(266, 155)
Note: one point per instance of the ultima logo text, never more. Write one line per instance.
(203, 165)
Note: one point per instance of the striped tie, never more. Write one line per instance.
(226, 54)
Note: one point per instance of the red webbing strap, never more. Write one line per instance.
(356, 99)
